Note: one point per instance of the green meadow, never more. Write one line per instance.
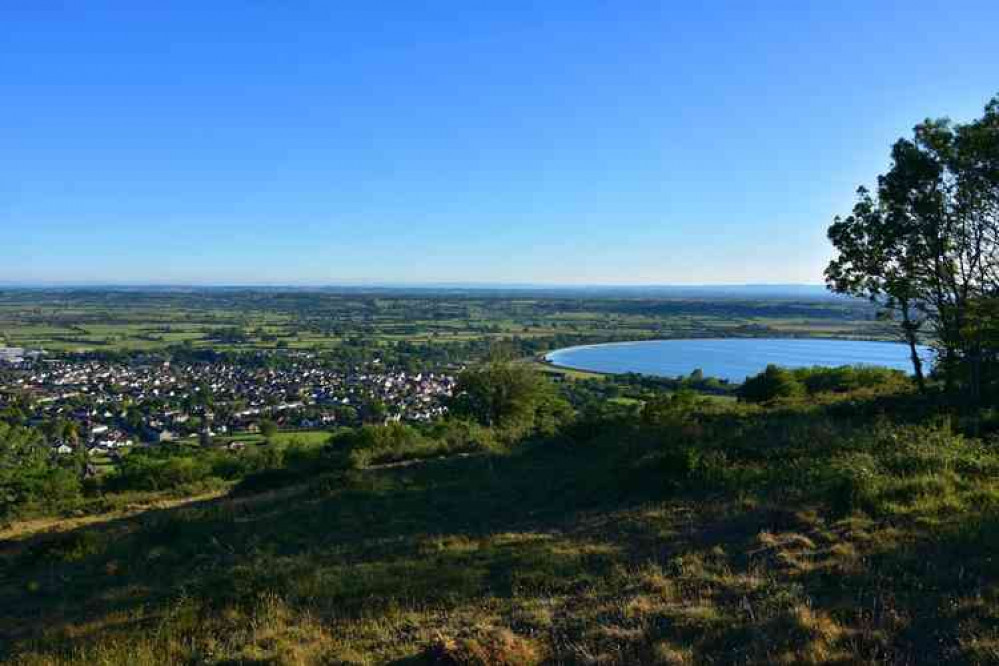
(82, 321)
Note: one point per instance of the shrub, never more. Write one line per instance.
(161, 468)
(71, 547)
(851, 483)
(301, 456)
(512, 397)
(773, 383)
(671, 409)
(849, 378)
(371, 445)
(30, 478)
(268, 479)
(457, 436)
(397, 442)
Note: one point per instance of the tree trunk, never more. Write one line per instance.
(975, 376)
(949, 363)
(917, 364)
(909, 328)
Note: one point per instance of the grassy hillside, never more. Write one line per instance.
(710, 533)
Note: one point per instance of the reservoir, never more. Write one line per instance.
(733, 359)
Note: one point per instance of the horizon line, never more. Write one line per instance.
(69, 284)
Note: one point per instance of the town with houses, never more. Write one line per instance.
(107, 406)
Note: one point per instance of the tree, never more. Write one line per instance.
(877, 260)
(268, 428)
(344, 414)
(669, 409)
(926, 245)
(16, 411)
(71, 433)
(29, 474)
(774, 382)
(374, 411)
(508, 395)
(134, 418)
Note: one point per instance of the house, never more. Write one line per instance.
(159, 435)
(12, 355)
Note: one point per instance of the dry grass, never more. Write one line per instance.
(526, 560)
(25, 529)
(770, 600)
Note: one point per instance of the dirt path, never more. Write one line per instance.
(28, 529)
(55, 524)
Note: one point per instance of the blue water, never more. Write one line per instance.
(731, 358)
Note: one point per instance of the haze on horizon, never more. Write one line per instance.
(577, 143)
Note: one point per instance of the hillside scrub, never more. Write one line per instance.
(34, 482)
(776, 382)
(700, 532)
(396, 442)
(31, 480)
(513, 399)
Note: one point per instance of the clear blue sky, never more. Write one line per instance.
(265, 141)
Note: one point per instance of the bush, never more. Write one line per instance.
(458, 436)
(773, 383)
(397, 442)
(71, 547)
(671, 409)
(776, 382)
(161, 468)
(850, 378)
(301, 456)
(30, 478)
(268, 479)
(372, 445)
(512, 397)
(851, 483)
(236, 465)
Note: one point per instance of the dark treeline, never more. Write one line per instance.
(326, 310)
(358, 350)
(739, 309)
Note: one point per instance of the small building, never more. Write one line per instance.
(159, 435)
(11, 355)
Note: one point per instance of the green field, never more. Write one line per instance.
(245, 320)
(305, 437)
